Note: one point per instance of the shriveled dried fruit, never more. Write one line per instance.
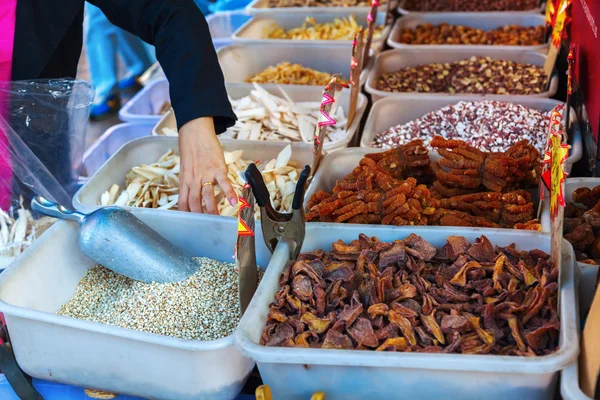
(469, 298)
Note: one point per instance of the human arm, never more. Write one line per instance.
(185, 51)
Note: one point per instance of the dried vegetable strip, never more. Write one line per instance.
(467, 298)
(582, 224)
(157, 185)
(338, 29)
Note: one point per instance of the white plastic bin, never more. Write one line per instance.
(295, 373)
(261, 7)
(393, 111)
(95, 355)
(256, 30)
(483, 21)
(589, 272)
(240, 62)
(110, 141)
(148, 150)
(297, 94)
(338, 164)
(223, 24)
(144, 107)
(393, 60)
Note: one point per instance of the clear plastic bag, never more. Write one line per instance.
(43, 127)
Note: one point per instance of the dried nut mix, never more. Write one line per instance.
(488, 125)
(509, 35)
(482, 75)
(471, 188)
(582, 224)
(408, 296)
(320, 3)
(157, 185)
(203, 307)
(470, 5)
(338, 29)
(291, 74)
(265, 116)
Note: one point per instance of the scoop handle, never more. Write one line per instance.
(51, 209)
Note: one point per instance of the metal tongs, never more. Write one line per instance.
(278, 226)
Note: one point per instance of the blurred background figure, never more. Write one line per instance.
(103, 43)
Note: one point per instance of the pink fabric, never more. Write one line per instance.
(8, 14)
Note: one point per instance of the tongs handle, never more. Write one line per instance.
(255, 180)
(261, 193)
(298, 200)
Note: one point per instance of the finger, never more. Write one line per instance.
(223, 181)
(210, 203)
(184, 192)
(195, 199)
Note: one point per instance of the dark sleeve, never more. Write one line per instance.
(185, 51)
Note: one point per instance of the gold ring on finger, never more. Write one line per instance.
(207, 183)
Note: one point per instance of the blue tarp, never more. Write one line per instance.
(57, 391)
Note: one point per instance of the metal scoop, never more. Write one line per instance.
(117, 240)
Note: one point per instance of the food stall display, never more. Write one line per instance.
(482, 75)
(508, 35)
(488, 125)
(425, 255)
(407, 295)
(291, 74)
(157, 185)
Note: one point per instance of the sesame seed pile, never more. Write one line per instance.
(203, 307)
(488, 125)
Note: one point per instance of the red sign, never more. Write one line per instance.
(585, 32)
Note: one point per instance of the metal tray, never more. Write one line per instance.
(338, 164)
(483, 21)
(296, 373)
(240, 62)
(147, 150)
(254, 30)
(296, 93)
(393, 111)
(396, 59)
